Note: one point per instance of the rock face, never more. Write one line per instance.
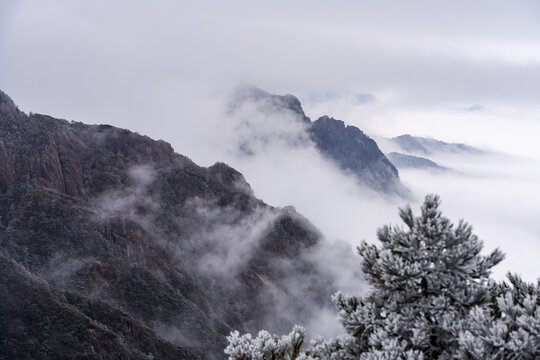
(425, 146)
(112, 246)
(272, 101)
(354, 152)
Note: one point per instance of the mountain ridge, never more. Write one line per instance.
(346, 146)
(416, 162)
(356, 153)
(428, 146)
(137, 232)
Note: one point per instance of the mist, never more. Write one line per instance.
(499, 196)
(497, 192)
(216, 245)
(459, 72)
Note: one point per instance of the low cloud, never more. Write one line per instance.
(60, 269)
(216, 244)
(226, 238)
(499, 196)
(128, 200)
(497, 193)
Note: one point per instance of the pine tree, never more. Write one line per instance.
(431, 298)
(425, 279)
(509, 328)
(265, 346)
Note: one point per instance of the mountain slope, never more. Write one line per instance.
(40, 321)
(115, 228)
(426, 146)
(416, 162)
(355, 152)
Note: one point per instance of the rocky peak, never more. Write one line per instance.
(293, 103)
(347, 146)
(229, 177)
(330, 122)
(8, 107)
(356, 153)
(286, 102)
(337, 125)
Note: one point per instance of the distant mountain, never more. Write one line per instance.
(112, 246)
(403, 161)
(272, 102)
(426, 146)
(356, 153)
(346, 146)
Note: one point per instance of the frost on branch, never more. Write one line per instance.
(509, 328)
(265, 346)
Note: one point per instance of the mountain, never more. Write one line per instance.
(426, 146)
(354, 152)
(270, 102)
(113, 246)
(404, 161)
(347, 147)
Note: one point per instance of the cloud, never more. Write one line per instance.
(226, 238)
(497, 193)
(222, 242)
(499, 196)
(129, 61)
(129, 200)
(61, 268)
(500, 126)
(474, 107)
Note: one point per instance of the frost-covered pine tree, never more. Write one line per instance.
(426, 280)
(265, 346)
(509, 328)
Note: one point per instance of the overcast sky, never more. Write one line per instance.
(465, 71)
(122, 61)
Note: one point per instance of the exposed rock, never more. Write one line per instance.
(356, 153)
(8, 109)
(271, 101)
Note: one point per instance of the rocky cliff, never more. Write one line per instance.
(112, 246)
(356, 153)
